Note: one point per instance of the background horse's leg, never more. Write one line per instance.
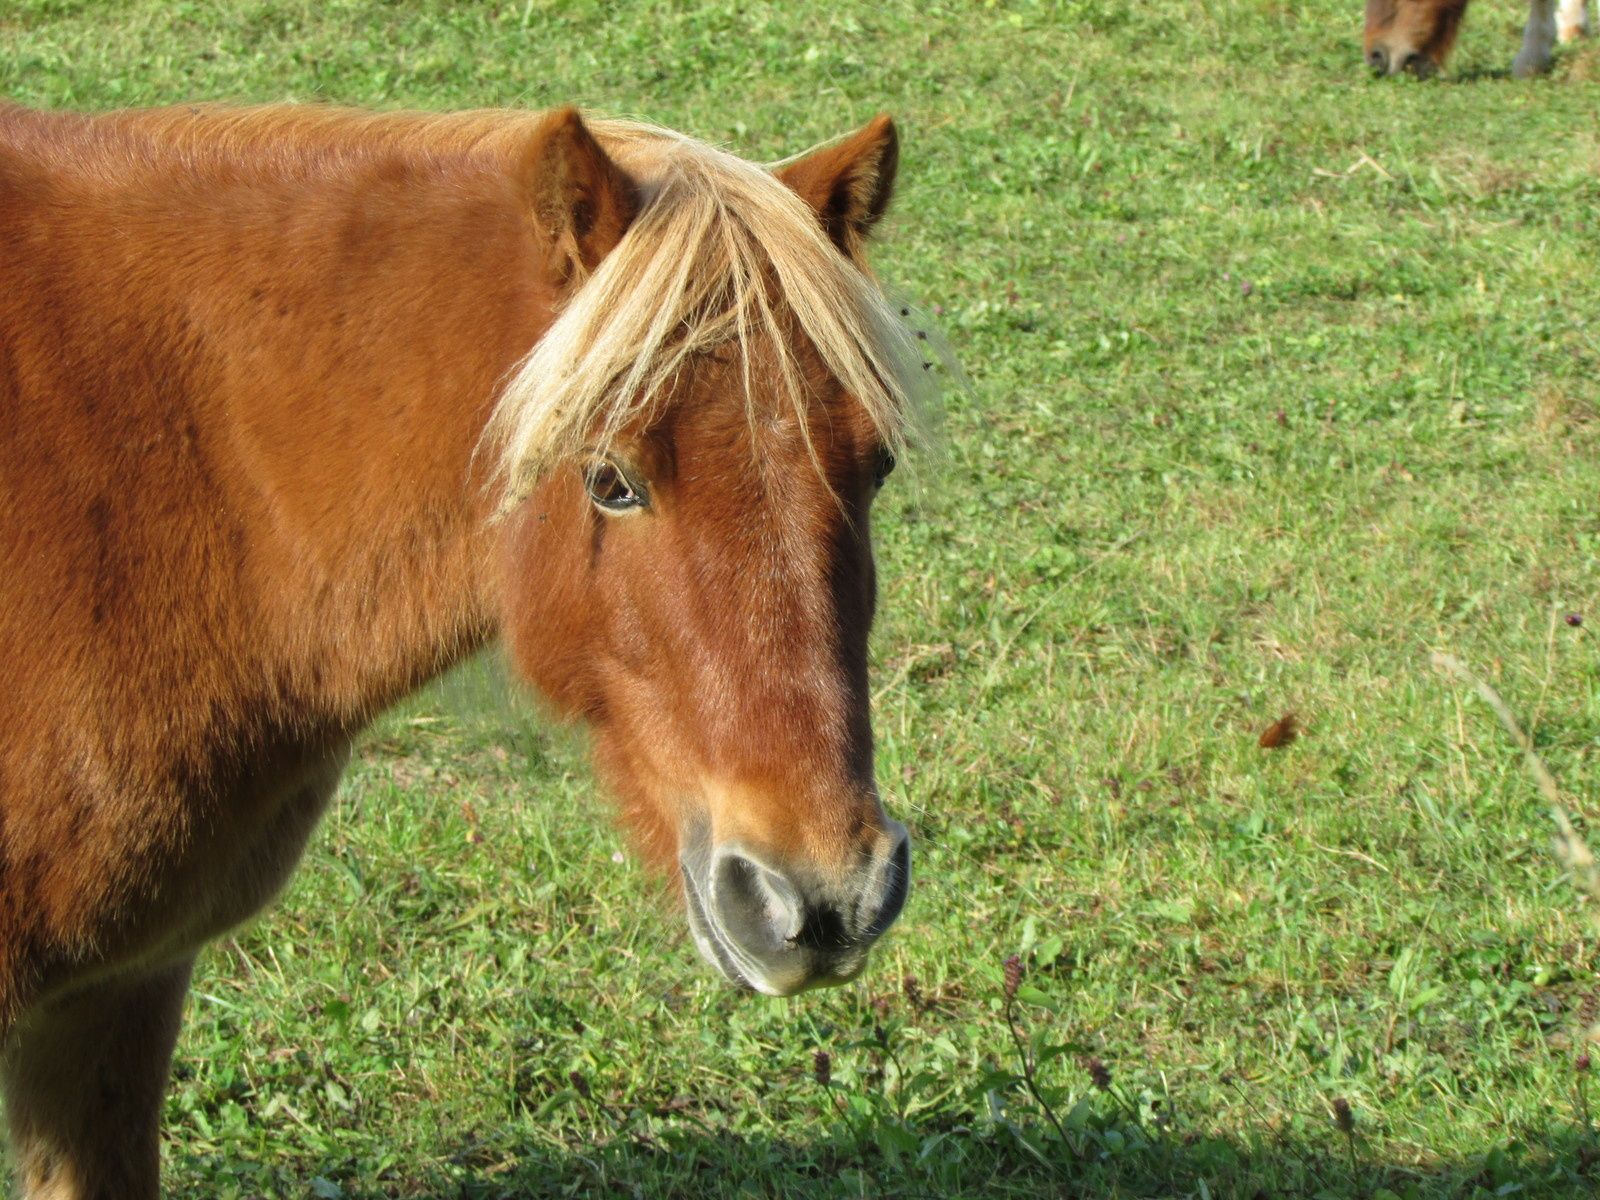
(84, 1080)
(1572, 20)
(1538, 40)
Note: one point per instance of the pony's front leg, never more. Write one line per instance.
(1572, 20)
(1538, 40)
(84, 1077)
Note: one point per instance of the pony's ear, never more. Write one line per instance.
(849, 183)
(582, 201)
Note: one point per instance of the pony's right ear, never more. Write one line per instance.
(582, 201)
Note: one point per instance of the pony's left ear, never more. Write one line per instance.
(849, 183)
(582, 201)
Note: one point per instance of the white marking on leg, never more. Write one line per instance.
(1538, 40)
(1572, 20)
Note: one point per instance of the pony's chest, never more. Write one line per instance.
(234, 860)
(249, 853)
(120, 905)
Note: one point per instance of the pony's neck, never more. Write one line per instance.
(373, 317)
(251, 359)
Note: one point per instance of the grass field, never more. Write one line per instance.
(1280, 378)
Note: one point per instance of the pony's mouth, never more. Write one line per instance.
(741, 968)
(784, 931)
(1385, 60)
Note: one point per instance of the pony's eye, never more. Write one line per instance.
(884, 469)
(609, 488)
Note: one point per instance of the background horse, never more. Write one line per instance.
(1418, 35)
(269, 376)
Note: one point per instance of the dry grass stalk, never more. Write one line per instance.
(1571, 849)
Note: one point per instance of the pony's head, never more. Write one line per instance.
(690, 456)
(1411, 35)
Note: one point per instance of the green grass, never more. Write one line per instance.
(1280, 378)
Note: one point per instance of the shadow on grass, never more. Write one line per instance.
(1478, 75)
(895, 1160)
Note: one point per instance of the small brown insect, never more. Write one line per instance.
(1281, 732)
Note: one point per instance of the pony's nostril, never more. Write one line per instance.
(894, 885)
(755, 905)
(1378, 59)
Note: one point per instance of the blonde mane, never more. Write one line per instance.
(720, 253)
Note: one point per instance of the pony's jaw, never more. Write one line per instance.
(781, 931)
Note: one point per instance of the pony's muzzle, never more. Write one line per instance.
(1397, 60)
(785, 931)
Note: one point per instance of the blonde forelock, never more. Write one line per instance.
(720, 254)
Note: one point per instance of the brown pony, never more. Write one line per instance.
(302, 406)
(1418, 35)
